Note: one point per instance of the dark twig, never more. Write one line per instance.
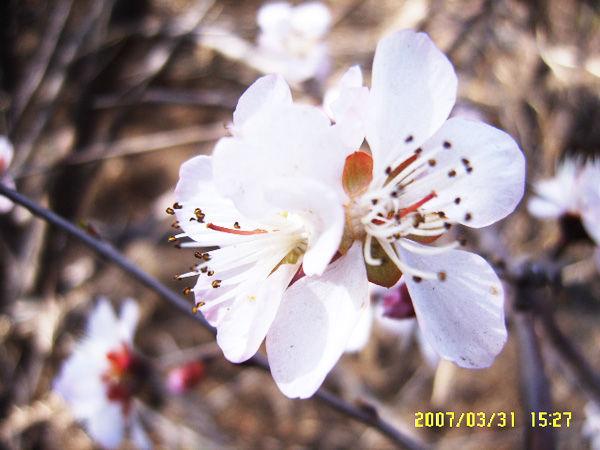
(535, 386)
(108, 252)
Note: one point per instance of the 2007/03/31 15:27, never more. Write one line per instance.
(482, 419)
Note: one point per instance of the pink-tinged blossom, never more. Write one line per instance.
(291, 40)
(426, 173)
(574, 193)
(267, 212)
(6, 156)
(97, 381)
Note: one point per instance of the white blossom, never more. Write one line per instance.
(424, 174)
(96, 379)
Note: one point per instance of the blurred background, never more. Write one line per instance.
(104, 100)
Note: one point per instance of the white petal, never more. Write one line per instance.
(103, 324)
(130, 314)
(323, 212)
(493, 188)
(544, 209)
(314, 323)
(312, 19)
(290, 142)
(362, 331)
(244, 327)
(196, 189)
(266, 92)
(462, 317)
(413, 89)
(107, 426)
(273, 16)
(6, 153)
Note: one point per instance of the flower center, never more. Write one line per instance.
(243, 257)
(395, 212)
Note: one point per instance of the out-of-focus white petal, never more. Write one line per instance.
(245, 325)
(462, 317)
(483, 170)
(314, 323)
(312, 19)
(589, 186)
(324, 215)
(413, 90)
(130, 314)
(102, 321)
(544, 209)
(266, 92)
(291, 143)
(6, 153)
(107, 425)
(273, 16)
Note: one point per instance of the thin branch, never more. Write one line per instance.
(105, 250)
(535, 386)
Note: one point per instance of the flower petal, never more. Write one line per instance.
(244, 327)
(289, 142)
(266, 92)
(462, 318)
(413, 90)
(324, 215)
(196, 189)
(480, 172)
(314, 323)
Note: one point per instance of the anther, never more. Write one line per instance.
(210, 273)
(177, 277)
(468, 216)
(466, 162)
(452, 173)
(177, 206)
(204, 269)
(198, 255)
(432, 162)
(175, 224)
(417, 279)
(194, 309)
(187, 290)
(409, 139)
(457, 200)
(418, 151)
(206, 257)
(388, 170)
(236, 225)
(170, 211)
(172, 238)
(201, 304)
(447, 225)
(216, 283)
(442, 276)
(469, 169)
(441, 214)
(462, 241)
(447, 144)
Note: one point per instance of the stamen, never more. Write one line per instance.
(415, 206)
(212, 226)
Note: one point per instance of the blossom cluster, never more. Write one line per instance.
(294, 214)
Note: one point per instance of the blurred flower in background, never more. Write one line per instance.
(99, 379)
(573, 198)
(291, 37)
